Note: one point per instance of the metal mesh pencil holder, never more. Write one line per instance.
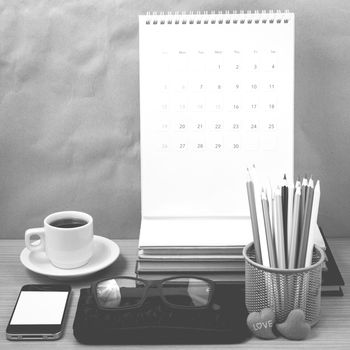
(284, 290)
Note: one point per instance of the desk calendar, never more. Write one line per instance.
(216, 96)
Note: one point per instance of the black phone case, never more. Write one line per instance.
(157, 323)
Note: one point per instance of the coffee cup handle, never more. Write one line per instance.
(39, 231)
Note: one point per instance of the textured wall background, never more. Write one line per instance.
(69, 107)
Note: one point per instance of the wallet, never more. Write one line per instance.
(224, 321)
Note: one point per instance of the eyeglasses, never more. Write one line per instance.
(129, 292)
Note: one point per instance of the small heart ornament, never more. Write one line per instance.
(261, 323)
(294, 327)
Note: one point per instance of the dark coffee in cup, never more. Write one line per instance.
(66, 238)
(68, 223)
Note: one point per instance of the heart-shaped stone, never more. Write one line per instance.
(261, 323)
(294, 327)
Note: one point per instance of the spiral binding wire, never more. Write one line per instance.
(218, 17)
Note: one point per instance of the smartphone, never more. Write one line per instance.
(39, 312)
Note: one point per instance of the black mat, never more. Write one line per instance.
(156, 323)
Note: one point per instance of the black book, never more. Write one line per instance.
(332, 279)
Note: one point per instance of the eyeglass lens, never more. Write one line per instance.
(119, 292)
(186, 292)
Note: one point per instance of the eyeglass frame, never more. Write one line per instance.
(153, 283)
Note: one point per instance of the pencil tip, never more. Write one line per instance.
(249, 177)
(285, 177)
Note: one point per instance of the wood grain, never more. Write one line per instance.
(333, 330)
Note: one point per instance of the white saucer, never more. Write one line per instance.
(105, 253)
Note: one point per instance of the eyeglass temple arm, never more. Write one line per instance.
(138, 292)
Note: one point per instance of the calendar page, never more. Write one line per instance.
(216, 96)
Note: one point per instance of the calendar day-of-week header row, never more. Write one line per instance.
(221, 52)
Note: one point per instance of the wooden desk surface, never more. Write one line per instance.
(333, 330)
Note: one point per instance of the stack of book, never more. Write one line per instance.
(220, 264)
(204, 247)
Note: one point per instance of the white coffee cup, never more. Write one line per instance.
(66, 247)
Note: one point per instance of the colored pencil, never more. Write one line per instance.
(285, 213)
(295, 225)
(313, 223)
(268, 230)
(253, 218)
(279, 237)
(304, 237)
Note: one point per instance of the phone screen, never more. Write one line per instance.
(39, 308)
